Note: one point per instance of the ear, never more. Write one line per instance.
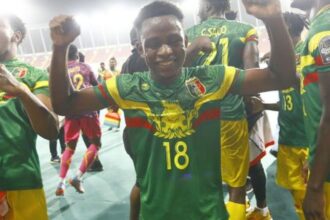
(140, 49)
(208, 7)
(17, 37)
(186, 40)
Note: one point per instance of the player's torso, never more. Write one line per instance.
(228, 37)
(80, 75)
(291, 117)
(310, 59)
(17, 137)
(175, 145)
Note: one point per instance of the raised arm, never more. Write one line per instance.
(65, 100)
(37, 107)
(281, 71)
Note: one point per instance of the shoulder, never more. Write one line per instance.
(126, 83)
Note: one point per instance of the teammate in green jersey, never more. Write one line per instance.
(235, 44)
(293, 144)
(172, 112)
(24, 113)
(315, 62)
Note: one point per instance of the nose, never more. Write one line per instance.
(165, 50)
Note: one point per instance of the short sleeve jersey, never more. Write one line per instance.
(176, 150)
(315, 61)
(228, 40)
(19, 162)
(82, 77)
(291, 118)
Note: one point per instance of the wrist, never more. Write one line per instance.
(273, 18)
(22, 90)
(60, 48)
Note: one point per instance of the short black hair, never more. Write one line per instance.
(16, 24)
(157, 9)
(295, 23)
(73, 52)
(231, 15)
(81, 57)
(220, 5)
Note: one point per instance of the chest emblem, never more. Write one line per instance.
(195, 87)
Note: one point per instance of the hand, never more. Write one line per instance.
(263, 9)
(255, 104)
(313, 205)
(305, 172)
(8, 82)
(203, 44)
(63, 30)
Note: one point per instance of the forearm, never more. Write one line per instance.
(271, 106)
(282, 59)
(191, 55)
(60, 86)
(320, 169)
(43, 121)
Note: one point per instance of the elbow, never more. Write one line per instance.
(291, 81)
(51, 135)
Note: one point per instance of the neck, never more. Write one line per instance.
(320, 5)
(296, 40)
(7, 56)
(165, 80)
(216, 15)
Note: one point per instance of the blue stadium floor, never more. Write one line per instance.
(107, 192)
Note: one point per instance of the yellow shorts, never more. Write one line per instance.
(234, 152)
(327, 199)
(290, 163)
(26, 204)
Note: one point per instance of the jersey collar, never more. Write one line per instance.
(322, 10)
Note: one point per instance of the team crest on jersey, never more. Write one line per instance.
(174, 121)
(22, 72)
(195, 87)
(324, 49)
(145, 86)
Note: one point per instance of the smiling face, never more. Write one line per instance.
(163, 43)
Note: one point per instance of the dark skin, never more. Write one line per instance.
(38, 107)
(164, 69)
(164, 48)
(314, 203)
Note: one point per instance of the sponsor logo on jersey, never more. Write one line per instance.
(195, 87)
(145, 87)
(324, 49)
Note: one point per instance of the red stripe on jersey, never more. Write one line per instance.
(311, 78)
(252, 38)
(139, 123)
(104, 94)
(206, 116)
(319, 61)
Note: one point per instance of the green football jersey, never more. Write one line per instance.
(228, 40)
(19, 162)
(315, 60)
(176, 150)
(291, 117)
